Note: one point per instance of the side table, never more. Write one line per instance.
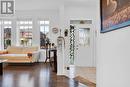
(55, 58)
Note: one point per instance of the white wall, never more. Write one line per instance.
(37, 5)
(113, 57)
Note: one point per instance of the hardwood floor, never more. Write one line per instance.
(37, 75)
(88, 73)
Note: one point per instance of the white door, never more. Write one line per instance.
(84, 45)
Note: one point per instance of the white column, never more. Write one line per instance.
(60, 51)
(1, 35)
(36, 33)
(17, 34)
(14, 34)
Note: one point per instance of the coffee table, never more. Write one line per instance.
(1, 65)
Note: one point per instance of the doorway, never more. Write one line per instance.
(85, 44)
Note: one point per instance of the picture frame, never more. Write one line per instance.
(115, 14)
(55, 30)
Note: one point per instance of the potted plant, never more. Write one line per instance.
(72, 52)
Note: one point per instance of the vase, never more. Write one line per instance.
(71, 71)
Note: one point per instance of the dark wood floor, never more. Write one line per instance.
(37, 75)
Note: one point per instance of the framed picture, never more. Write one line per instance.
(115, 14)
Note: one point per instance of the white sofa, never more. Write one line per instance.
(16, 54)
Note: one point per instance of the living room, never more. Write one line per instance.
(22, 31)
(106, 53)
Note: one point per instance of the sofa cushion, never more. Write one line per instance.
(14, 56)
(4, 52)
(29, 49)
(21, 50)
(14, 50)
(20, 61)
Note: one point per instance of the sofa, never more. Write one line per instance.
(17, 54)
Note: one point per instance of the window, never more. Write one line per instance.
(44, 33)
(24, 32)
(84, 36)
(5, 33)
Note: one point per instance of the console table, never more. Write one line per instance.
(55, 58)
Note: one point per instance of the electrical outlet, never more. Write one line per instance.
(68, 68)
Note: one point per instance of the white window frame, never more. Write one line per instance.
(44, 24)
(4, 23)
(25, 24)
